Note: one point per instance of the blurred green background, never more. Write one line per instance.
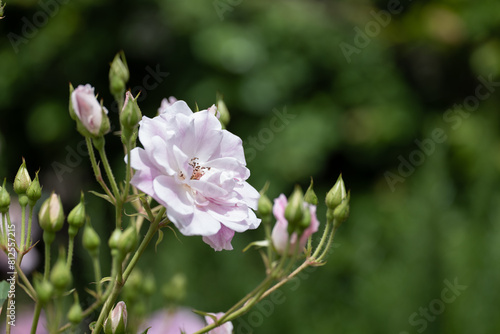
(315, 88)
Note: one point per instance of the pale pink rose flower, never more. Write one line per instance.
(173, 321)
(197, 170)
(32, 258)
(226, 328)
(87, 108)
(165, 103)
(280, 234)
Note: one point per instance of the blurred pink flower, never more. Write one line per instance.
(87, 108)
(31, 259)
(173, 321)
(165, 103)
(280, 234)
(226, 328)
(24, 319)
(197, 171)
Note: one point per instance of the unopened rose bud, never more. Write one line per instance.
(341, 212)
(116, 323)
(77, 217)
(265, 206)
(4, 199)
(91, 117)
(310, 196)
(22, 180)
(44, 290)
(175, 290)
(1, 10)
(336, 195)
(51, 215)
(113, 239)
(127, 241)
(118, 75)
(294, 211)
(60, 276)
(34, 191)
(75, 313)
(223, 111)
(129, 117)
(91, 240)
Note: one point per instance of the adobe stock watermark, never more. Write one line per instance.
(48, 9)
(372, 29)
(75, 156)
(278, 123)
(453, 117)
(436, 307)
(223, 6)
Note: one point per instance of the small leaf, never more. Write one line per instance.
(257, 244)
(146, 330)
(106, 197)
(4, 291)
(160, 238)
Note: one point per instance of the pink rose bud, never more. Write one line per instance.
(51, 215)
(90, 115)
(116, 323)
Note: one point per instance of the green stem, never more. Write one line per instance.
(128, 169)
(4, 228)
(31, 291)
(323, 238)
(142, 247)
(36, 316)
(97, 171)
(71, 245)
(97, 273)
(328, 245)
(30, 219)
(120, 282)
(107, 169)
(47, 261)
(23, 227)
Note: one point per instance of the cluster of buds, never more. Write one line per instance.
(295, 221)
(118, 75)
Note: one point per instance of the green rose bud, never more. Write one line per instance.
(294, 211)
(113, 239)
(51, 215)
(129, 117)
(60, 275)
(127, 241)
(310, 196)
(44, 290)
(265, 206)
(91, 240)
(175, 290)
(4, 199)
(336, 195)
(118, 75)
(34, 191)
(22, 180)
(76, 217)
(75, 313)
(341, 212)
(224, 112)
